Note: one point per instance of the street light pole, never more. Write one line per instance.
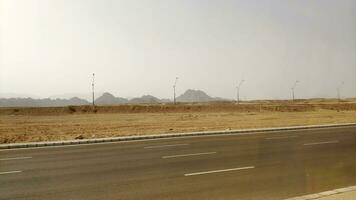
(92, 85)
(338, 91)
(238, 91)
(293, 88)
(174, 90)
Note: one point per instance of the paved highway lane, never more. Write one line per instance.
(274, 165)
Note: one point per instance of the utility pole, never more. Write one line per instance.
(293, 88)
(92, 87)
(174, 90)
(238, 91)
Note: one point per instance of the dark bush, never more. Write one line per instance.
(71, 109)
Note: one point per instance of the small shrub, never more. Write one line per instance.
(71, 109)
(79, 137)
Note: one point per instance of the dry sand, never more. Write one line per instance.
(43, 124)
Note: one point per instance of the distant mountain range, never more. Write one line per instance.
(105, 99)
(29, 102)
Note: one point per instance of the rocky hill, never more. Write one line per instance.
(109, 99)
(196, 96)
(145, 99)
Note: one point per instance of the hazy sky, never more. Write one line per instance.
(50, 47)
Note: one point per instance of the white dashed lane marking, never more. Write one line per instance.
(186, 155)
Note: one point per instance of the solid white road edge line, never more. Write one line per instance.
(324, 194)
(186, 155)
(15, 158)
(218, 171)
(166, 145)
(317, 143)
(10, 172)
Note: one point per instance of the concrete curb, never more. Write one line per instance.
(169, 135)
(324, 194)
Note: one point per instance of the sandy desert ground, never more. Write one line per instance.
(75, 122)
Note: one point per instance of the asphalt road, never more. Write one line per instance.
(274, 165)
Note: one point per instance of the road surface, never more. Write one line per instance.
(274, 165)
